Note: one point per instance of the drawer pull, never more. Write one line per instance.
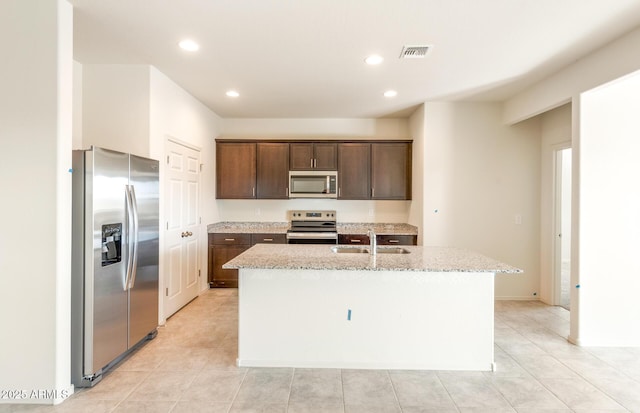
(393, 241)
(355, 241)
(268, 239)
(229, 239)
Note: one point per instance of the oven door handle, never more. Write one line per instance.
(312, 235)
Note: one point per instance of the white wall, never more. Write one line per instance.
(115, 107)
(265, 210)
(177, 115)
(606, 209)
(616, 59)
(555, 135)
(347, 211)
(136, 108)
(343, 128)
(36, 39)
(481, 188)
(77, 106)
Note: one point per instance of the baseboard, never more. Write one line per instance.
(516, 298)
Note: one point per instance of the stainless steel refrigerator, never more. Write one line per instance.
(114, 259)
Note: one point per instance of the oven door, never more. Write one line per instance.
(312, 237)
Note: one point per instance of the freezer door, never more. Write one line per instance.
(107, 246)
(143, 297)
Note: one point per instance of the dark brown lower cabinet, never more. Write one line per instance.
(363, 239)
(397, 239)
(222, 248)
(268, 239)
(225, 247)
(353, 239)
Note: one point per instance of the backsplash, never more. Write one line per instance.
(347, 211)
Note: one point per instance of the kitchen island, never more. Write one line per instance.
(429, 308)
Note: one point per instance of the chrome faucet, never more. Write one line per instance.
(373, 244)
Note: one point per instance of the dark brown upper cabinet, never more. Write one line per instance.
(366, 169)
(391, 170)
(273, 171)
(354, 165)
(313, 155)
(235, 170)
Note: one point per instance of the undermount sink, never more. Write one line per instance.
(350, 250)
(392, 250)
(361, 250)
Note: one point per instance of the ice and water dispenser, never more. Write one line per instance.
(111, 244)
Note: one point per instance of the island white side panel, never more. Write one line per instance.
(366, 319)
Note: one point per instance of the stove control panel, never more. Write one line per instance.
(312, 215)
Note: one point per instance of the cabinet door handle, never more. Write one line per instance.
(339, 191)
(315, 163)
(393, 241)
(286, 191)
(355, 241)
(253, 191)
(373, 192)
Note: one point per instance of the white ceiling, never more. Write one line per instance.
(305, 58)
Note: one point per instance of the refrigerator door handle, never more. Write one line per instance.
(130, 230)
(134, 261)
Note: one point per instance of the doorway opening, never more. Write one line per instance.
(562, 230)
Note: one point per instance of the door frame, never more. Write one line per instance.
(556, 242)
(162, 319)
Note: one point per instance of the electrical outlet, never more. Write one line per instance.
(518, 219)
(370, 212)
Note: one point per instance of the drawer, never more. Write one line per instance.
(268, 239)
(232, 239)
(397, 239)
(353, 239)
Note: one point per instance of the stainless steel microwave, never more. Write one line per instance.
(313, 184)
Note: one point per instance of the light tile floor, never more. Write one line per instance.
(190, 367)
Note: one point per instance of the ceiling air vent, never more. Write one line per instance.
(414, 52)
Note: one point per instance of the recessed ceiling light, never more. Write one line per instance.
(374, 59)
(390, 93)
(189, 45)
(232, 94)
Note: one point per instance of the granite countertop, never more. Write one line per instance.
(282, 227)
(378, 228)
(320, 257)
(249, 227)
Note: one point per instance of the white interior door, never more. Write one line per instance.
(182, 227)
